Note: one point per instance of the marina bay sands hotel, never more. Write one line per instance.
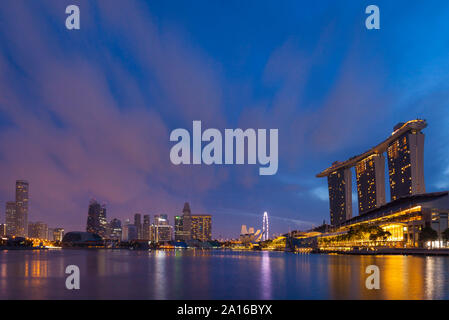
(405, 156)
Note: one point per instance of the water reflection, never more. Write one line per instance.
(193, 274)
(266, 276)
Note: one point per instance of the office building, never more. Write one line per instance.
(115, 229)
(10, 218)
(38, 230)
(146, 227)
(201, 227)
(183, 224)
(129, 231)
(22, 197)
(96, 219)
(138, 224)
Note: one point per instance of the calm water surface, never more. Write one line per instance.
(123, 274)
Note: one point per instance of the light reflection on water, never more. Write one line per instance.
(123, 274)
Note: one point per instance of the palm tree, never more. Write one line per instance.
(428, 234)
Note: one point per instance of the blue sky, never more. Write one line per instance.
(88, 113)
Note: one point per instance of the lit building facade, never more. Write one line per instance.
(58, 234)
(370, 173)
(404, 149)
(38, 230)
(96, 219)
(2, 230)
(406, 164)
(115, 229)
(129, 232)
(146, 227)
(201, 227)
(10, 218)
(183, 224)
(403, 219)
(340, 195)
(22, 198)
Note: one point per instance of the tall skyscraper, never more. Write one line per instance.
(340, 195)
(406, 163)
(146, 227)
(183, 224)
(138, 224)
(161, 230)
(115, 227)
(96, 219)
(179, 236)
(22, 188)
(201, 228)
(370, 174)
(265, 227)
(161, 219)
(10, 219)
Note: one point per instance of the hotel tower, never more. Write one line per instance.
(405, 153)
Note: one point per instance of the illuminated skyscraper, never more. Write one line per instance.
(22, 188)
(10, 218)
(265, 227)
(183, 224)
(201, 228)
(405, 150)
(96, 219)
(370, 174)
(340, 195)
(161, 230)
(146, 227)
(115, 229)
(406, 163)
(138, 224)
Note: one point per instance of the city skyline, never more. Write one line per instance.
(87, 114)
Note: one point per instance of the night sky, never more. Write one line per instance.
(88, 113)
